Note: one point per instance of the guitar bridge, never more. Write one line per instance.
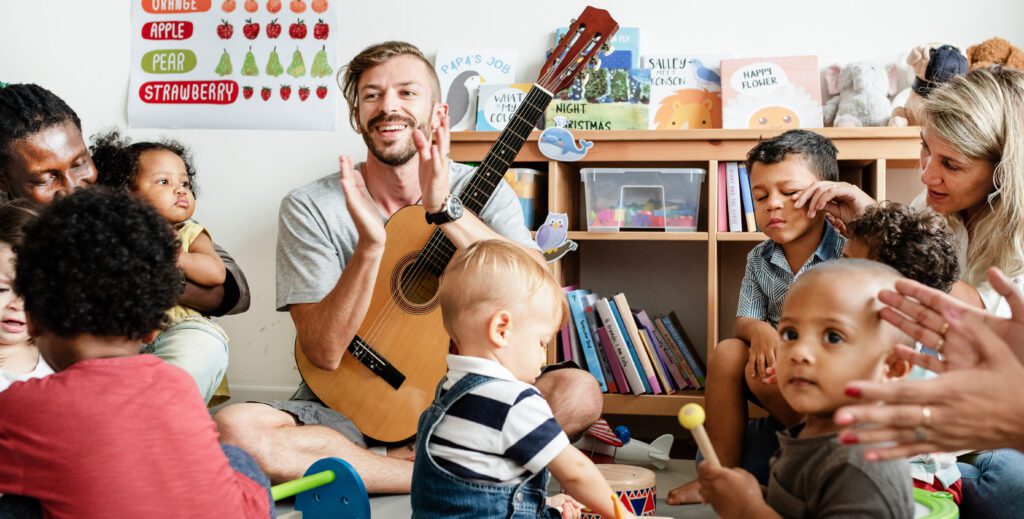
(375, 362)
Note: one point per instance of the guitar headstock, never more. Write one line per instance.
(578, 48)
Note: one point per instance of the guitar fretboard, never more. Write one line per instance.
(439, 249)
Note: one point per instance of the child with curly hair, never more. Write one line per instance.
(97, 272)
(19, 357)
(162, 174)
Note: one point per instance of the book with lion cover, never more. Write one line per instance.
(686, 91)
(771, 93)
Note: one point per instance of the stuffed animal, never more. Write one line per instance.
(933, 65)
(861, 92)
(995, 51)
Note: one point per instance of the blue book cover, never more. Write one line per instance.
(748, 201)
(631, 346)
(579, 318)
(625, 48)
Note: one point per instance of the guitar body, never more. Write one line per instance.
(409, 334)
(390, 370)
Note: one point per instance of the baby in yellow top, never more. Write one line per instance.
(162, 174)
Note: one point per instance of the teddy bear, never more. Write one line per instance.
(933, 64)
(861, 92)
(995, 51)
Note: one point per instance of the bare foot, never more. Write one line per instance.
(405, 452)
(685, 494)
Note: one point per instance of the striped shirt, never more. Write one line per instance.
(501, 431)
(768, 275)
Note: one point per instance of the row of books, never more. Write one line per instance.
(735, 203)
(627, 351)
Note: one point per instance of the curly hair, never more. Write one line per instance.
(26, 109)
(817, 150)
(99, 262)
(919, 244)
(117, 159)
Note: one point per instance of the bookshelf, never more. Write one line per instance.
(695, 274)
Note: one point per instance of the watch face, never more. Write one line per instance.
(455, 207)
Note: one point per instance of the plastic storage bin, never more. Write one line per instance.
(526, 182)
(642, 198)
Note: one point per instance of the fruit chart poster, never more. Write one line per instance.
(251, 64)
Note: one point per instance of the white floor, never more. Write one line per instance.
(678, 472)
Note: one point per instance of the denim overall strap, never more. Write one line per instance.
(438, 493)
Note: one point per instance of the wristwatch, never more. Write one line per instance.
(451, 210)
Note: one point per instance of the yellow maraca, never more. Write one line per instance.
(691, 416)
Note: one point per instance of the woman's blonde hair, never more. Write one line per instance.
(981, 115)
(494, 273)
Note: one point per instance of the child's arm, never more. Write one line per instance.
(581, 479)
(733, 493)
(201, 263)
(763, 340)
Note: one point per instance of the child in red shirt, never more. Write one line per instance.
(112, 433)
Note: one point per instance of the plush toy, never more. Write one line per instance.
(933, 65)
(995, 51)
(861, 92)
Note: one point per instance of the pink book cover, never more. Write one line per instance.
(723, 201)
(772, 94)
(566, 341)
(613, 361)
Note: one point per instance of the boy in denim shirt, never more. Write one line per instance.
(484, 447)
(780, 168)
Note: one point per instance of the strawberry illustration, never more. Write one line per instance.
(321, 91)
(286, 92)
(225, 30)
(303, 93)
(251, 29)
(265, 93)
(247, 92)
(320, 30)
(297, 30)
(273, 29)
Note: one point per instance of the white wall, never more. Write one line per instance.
(80, 50)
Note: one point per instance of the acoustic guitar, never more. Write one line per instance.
(397, 358)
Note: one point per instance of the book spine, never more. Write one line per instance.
(723, 200)
(566, 343)
(586, 341)
(671, 362)
(611, 327)
(748, 201)
(629, 325)
(630, 348)
(732, 178)
(691, 377)
(694, 366)
(613, 361)
(662, 379)
(700, 367)
(606, 368)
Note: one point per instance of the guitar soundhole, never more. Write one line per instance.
(414, 285)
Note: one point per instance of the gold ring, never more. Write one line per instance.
(944, 329)
(926, 416)
(938, 345)
(920, 434)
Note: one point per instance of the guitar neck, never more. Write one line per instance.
(439, 250)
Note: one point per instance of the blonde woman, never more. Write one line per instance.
(972, 161)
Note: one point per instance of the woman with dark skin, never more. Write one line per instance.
(43, 156)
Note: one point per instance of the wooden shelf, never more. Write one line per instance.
(656, 405)
(638, 236)
(741, 236)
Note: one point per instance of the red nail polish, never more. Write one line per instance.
(853, 392)
(848, 439)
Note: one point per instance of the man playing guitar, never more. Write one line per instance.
(330, 244)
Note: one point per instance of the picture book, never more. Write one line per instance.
(625, 45)
(462, 71)
(616, 337)
(747, 198)
(686, 91)
(610, 99)
(771, 93)
(579, 318)
(497, 103)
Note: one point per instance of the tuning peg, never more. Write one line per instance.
(582, 28)
(607, 49)
(595, 62)
(572, 21)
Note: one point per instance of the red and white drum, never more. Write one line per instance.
(634, 486)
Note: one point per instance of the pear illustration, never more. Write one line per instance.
(224, 67)
(249, 68)
(274, 67)
(298, 67)
(320, 66)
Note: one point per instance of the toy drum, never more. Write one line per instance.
(934, 505)
(633, 485)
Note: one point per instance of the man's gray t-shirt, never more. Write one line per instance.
(818, 477)
(316, 237)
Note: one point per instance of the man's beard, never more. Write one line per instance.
(396, 157)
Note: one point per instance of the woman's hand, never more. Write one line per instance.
(364, 213)
(972, 407)
(841, 200)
